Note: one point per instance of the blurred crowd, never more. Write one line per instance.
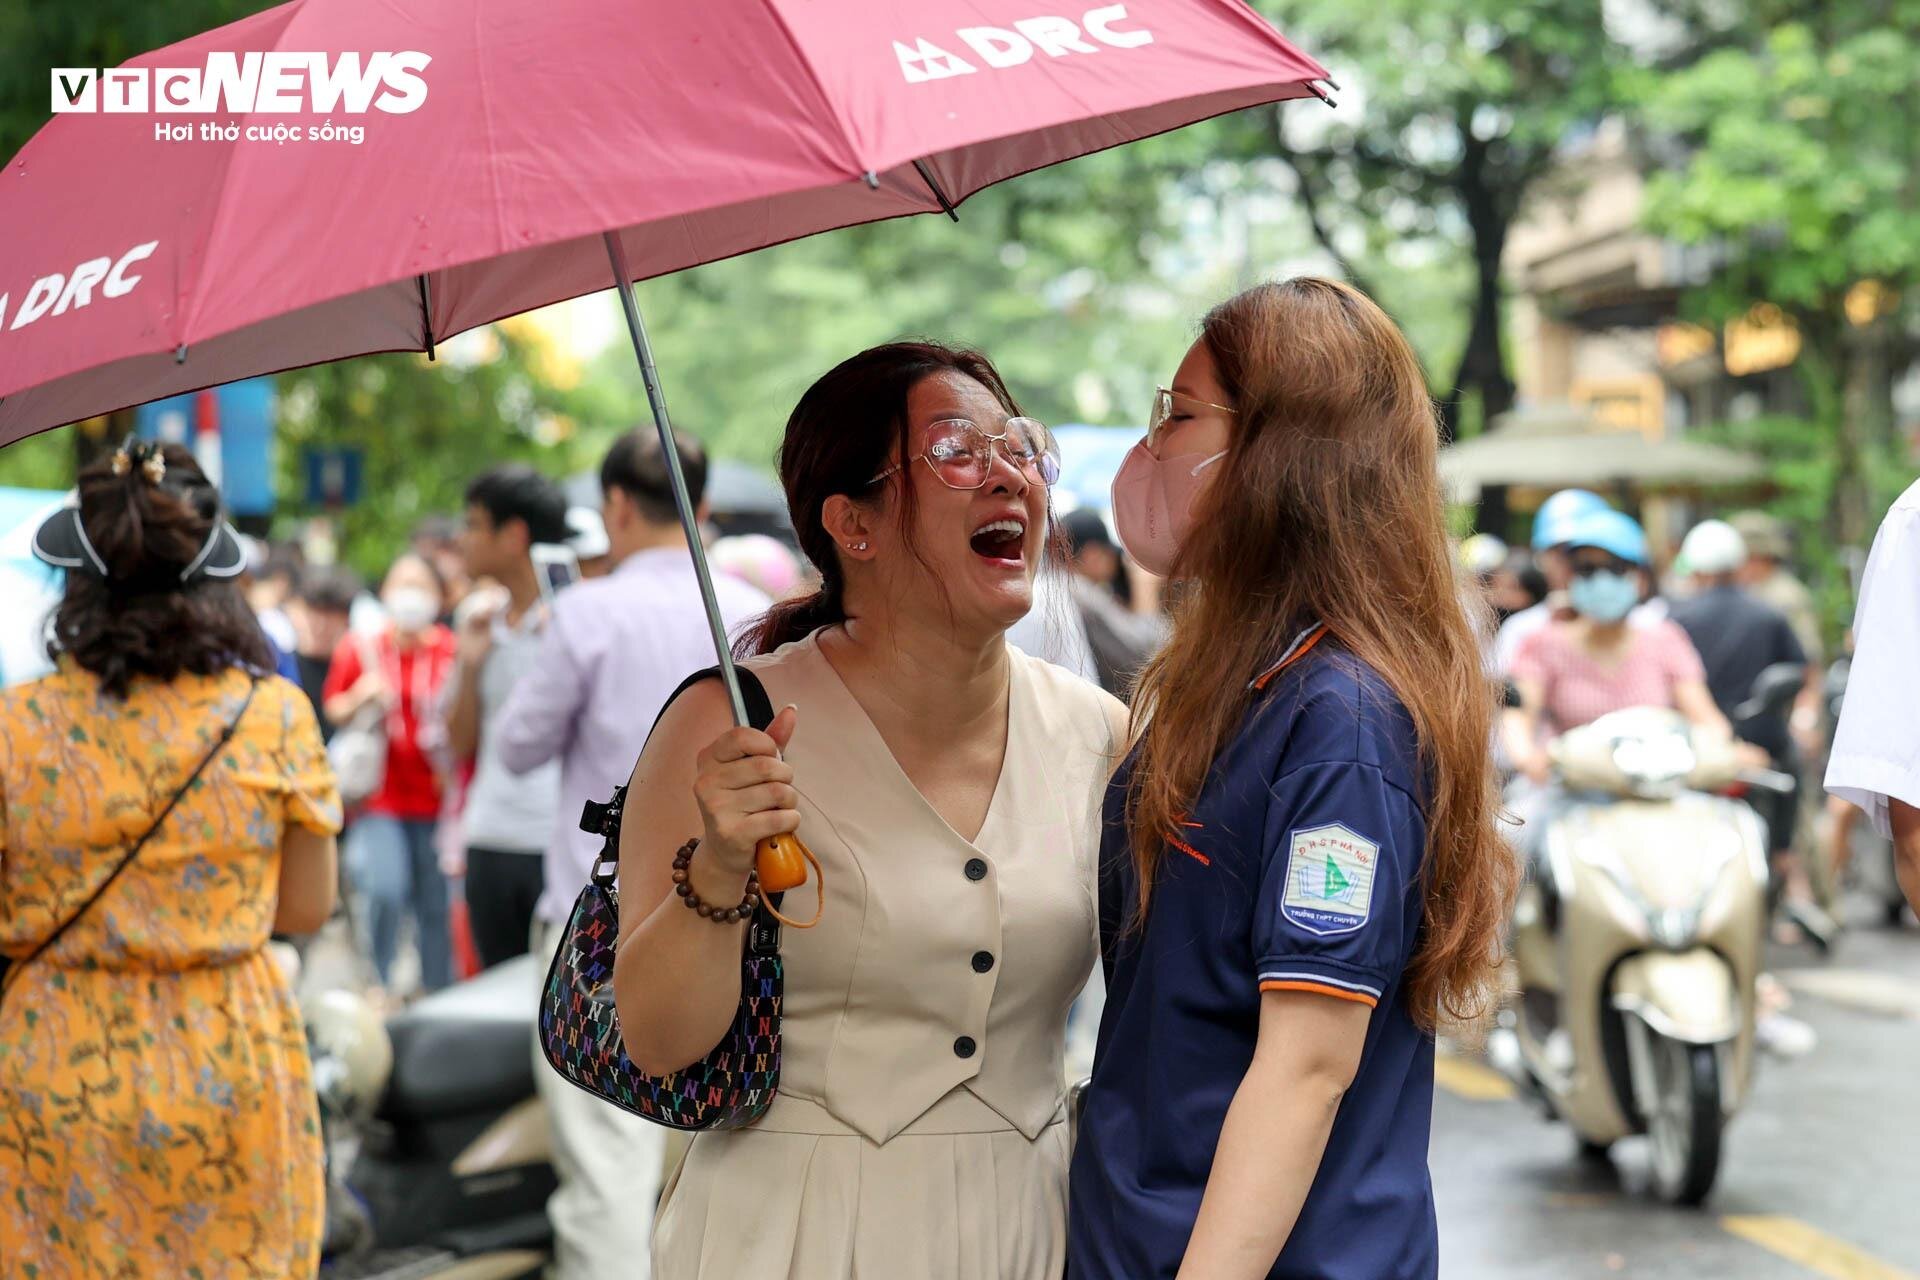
(409, 674)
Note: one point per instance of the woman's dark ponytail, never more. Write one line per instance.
(791, 620)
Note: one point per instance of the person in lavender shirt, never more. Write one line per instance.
(615, 649)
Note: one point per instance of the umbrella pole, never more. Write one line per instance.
(682, 500)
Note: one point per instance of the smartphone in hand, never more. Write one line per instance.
(556, 566)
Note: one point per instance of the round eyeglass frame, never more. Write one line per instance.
(1037, 472)
(1163, 398)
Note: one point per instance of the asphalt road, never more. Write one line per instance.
(1821, 1174)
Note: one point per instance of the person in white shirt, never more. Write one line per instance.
(1875, 761)
(613, 649)
(509, 817)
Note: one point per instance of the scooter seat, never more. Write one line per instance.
(467, 1048)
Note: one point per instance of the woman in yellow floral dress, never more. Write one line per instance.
(157, 1115)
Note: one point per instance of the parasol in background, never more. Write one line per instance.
(1566, 447)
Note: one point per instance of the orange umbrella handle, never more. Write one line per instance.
(781, 864)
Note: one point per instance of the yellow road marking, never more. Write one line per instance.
(1470, 1080)
(1813, 1249)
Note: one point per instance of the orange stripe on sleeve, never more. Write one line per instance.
(1298, 654)
(1317, 989)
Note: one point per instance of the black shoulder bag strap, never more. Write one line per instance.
(763, 937)
(226, 736)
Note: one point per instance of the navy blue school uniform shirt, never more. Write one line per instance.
(1298, 869)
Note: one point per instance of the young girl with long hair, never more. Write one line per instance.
(1301, 873)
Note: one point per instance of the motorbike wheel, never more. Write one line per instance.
(1685, 1126)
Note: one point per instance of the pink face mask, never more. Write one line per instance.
(1153, 504)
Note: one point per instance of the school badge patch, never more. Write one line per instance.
(1329, 879)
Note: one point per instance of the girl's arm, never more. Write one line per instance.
(1521, 727)
(1276, 1131)
(1691, 699)
(308, 874)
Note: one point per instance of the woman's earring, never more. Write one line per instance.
(856, 546)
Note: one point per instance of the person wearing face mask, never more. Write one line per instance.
(949, 785)
(1571, 673)
(390, 854)
(1552, 526)
(1301, 868)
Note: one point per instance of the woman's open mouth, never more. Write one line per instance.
(1001, 543)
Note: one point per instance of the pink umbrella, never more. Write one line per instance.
(325, 180)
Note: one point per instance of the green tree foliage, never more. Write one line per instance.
(425, 429)
(1799, 164)
(36, 37)
(43, 462)
(1461, 105)
(1085, 283)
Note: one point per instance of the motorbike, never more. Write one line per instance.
(434, 1117)
(1637, 942)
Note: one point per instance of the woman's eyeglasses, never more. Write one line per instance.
(1167, 408)
(961, 454)
(1587, 568)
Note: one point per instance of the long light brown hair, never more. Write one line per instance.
(1328, 507)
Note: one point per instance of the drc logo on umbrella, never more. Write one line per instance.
(999, 48)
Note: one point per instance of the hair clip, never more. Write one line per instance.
(152, 460)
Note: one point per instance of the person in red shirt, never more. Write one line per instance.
(390, 854)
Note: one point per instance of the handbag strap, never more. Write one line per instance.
(604, 819)
(763, 931)
(226, 736)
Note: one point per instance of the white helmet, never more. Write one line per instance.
(1713, 547)
(352, 1056)
(1482, 554)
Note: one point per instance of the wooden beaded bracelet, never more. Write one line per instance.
(706, 911)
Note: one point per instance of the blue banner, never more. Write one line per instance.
(243, 414)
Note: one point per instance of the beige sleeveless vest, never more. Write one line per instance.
(942, 968)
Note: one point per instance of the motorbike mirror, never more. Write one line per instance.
(1774, 690)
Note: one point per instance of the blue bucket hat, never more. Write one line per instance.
(1558, 513)
(1613, 532)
